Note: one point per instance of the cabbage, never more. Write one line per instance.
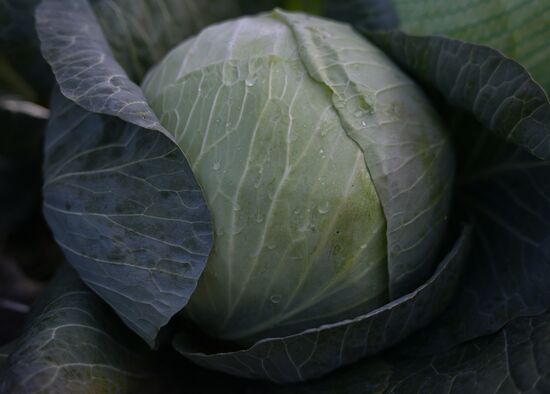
(298, 131)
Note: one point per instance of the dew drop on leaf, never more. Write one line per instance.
(323, 207)
(275, 298)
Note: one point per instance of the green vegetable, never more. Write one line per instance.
(291, 123)
(283, 196)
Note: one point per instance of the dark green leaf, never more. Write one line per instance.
(317, 351)
(514, 360)
(519, 28)
(74, 343)
(124, 207)
(502, 188)
(121, 199)
(506, 192)
(82, 61)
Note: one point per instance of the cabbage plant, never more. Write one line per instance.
(346, 196)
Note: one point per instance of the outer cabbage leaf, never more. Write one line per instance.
(73, 342)
(506, 192)
(519, 28)
(317, 351)
(502, 187)
(84, 66)
(127, 213)
(145, 260)
(513, 360)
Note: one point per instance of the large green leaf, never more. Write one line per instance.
(317, 351)
(125, 208)
(74, 45)
(519, 28)
(74, 343)
(504, 119)
(119, 195)
(514, 360)
(506, 192)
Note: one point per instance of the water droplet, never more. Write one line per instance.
(216, 166)
(275, 298)
(236, 207)
(321, 151)
(305, 227)
(363, 123)
(323, 207)
(358, 114)
(250, 80)
(296, 212)
(363, 246)
(259, 219)
(271, 246)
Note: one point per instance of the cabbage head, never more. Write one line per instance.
(324, 166)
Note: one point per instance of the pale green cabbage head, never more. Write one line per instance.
(325, 169)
